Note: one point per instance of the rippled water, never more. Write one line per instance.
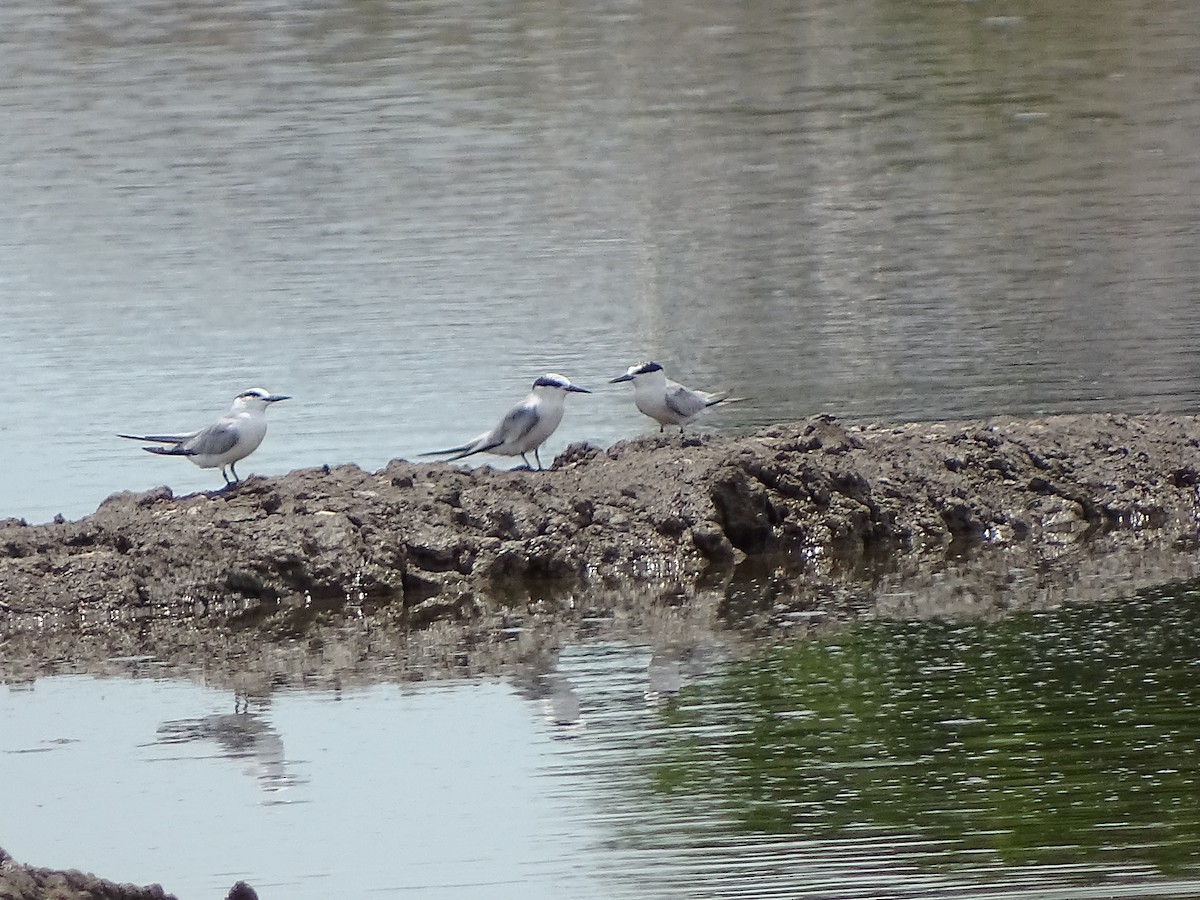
(402, 213)
(1051, 754)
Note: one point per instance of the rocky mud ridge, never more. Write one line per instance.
(25, 882)
(22, 882)
(438, 540)
(340, 576)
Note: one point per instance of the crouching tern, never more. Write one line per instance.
(226, 441)
(668, 402)
(527, 424)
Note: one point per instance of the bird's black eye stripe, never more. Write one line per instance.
(645, 368)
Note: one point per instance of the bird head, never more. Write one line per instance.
(552, 381)
(634, 372)
(257, 398)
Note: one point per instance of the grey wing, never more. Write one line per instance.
(218, 438)
(513, 427)
(683, 402)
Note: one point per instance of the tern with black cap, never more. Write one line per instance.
(668, 402)
(526, 426)
(226, 441)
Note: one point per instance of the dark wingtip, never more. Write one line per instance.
(169, 451)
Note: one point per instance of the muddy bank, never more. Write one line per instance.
(436, 541)
(24, 882)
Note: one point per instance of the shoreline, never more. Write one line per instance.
(442, 543)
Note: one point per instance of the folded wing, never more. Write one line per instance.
(215, 440)
(683, 402)
(513, 428)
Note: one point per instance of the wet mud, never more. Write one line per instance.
(332, 577)
(25, 882)
(440, 542)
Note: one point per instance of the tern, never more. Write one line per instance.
(526, 426)
(668, 402)
(226, 441)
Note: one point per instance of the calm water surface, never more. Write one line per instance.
(1051, 754)
(402, 213)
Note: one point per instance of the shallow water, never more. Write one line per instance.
(386, 790)
(1050, 754)
(402, 213)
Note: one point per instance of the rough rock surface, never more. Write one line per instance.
(21, 882)
(439, 538)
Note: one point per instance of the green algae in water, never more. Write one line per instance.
(1064, 737)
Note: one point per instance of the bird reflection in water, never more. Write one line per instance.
(243, 736)
(664, 676)
(675, 666)
(558, 699)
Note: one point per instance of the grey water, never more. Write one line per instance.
(402, 213)
(1050, 754)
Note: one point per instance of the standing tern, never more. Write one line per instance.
(231, 438)
(668, 402)
(527, 424)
